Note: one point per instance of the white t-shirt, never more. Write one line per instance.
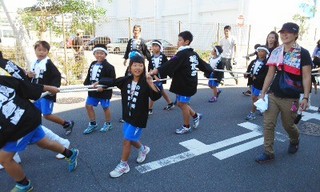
(95, 71)
(213, 62)
(133, 87)
(156, 62)
(256, 66)
(227, 46)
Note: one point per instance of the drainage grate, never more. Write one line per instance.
(70, 100)
(309, 128)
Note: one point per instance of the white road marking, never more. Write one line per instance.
(201, 149)
(254, 127)
(307, 116)
(238, 149)
(193, 144)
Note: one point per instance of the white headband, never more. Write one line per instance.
(265, 49)
(215, 48)
(155, 42)
(100, 49)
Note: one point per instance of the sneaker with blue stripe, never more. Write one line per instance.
(183, 130)
(90, 128)
(73, 160)
(22, 188)
(106, 127)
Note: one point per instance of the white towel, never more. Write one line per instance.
(39, 66)
(262, 105)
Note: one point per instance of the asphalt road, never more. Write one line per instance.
(218, 156)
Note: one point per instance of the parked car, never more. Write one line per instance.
(168, 49)
(119, 46)
(97, 40)
(85, 39)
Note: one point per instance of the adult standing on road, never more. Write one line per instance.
(136, 43)
(294, 61)
(228, 44)
(77, 45)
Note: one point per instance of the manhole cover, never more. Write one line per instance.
(309, 128)
(70, 100)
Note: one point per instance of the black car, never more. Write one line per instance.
(168, 49)
(97, 40)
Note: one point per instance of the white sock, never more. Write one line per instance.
(54, 137)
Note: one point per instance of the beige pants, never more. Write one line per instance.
(278, 105)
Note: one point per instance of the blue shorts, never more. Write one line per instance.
(105, 103)
(131, 133)
(212, 83)
(255, 91)
(20, 145)
(183, 99)
(159, 85)
(44, 105)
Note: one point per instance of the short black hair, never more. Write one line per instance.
(137, 26)
(227, 27)
(43, 44)
(186, 35)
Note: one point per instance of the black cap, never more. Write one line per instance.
(290, 27)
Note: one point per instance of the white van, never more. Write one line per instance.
(7, 37)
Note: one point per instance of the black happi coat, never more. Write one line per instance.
(182, 69)
(136, 115)
(261, 73)
(152, 65)
(218, 74)
(51, 76)
(141, 46)
(18, 115)
(13, 69)
(106, 71)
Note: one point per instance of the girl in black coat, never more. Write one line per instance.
(136, 89)
(258, 73)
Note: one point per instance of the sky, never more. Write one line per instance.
(13, 5)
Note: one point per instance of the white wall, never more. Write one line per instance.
(160, 18)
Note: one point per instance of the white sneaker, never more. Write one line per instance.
(183, 130)
(143, 154)
(1, 167)
(120, 169)
(66, 145)
(196, 121)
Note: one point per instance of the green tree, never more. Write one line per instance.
(53, 14)
(308, 11)
(46, 14)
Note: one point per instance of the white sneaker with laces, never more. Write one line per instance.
(143, 154)
(120, 169)
(196, 121)
(183, 130)
(66, 144)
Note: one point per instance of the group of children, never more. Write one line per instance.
(18, 129)
(137, 87)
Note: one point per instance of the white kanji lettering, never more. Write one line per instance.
(17, 115)
(194, 62)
